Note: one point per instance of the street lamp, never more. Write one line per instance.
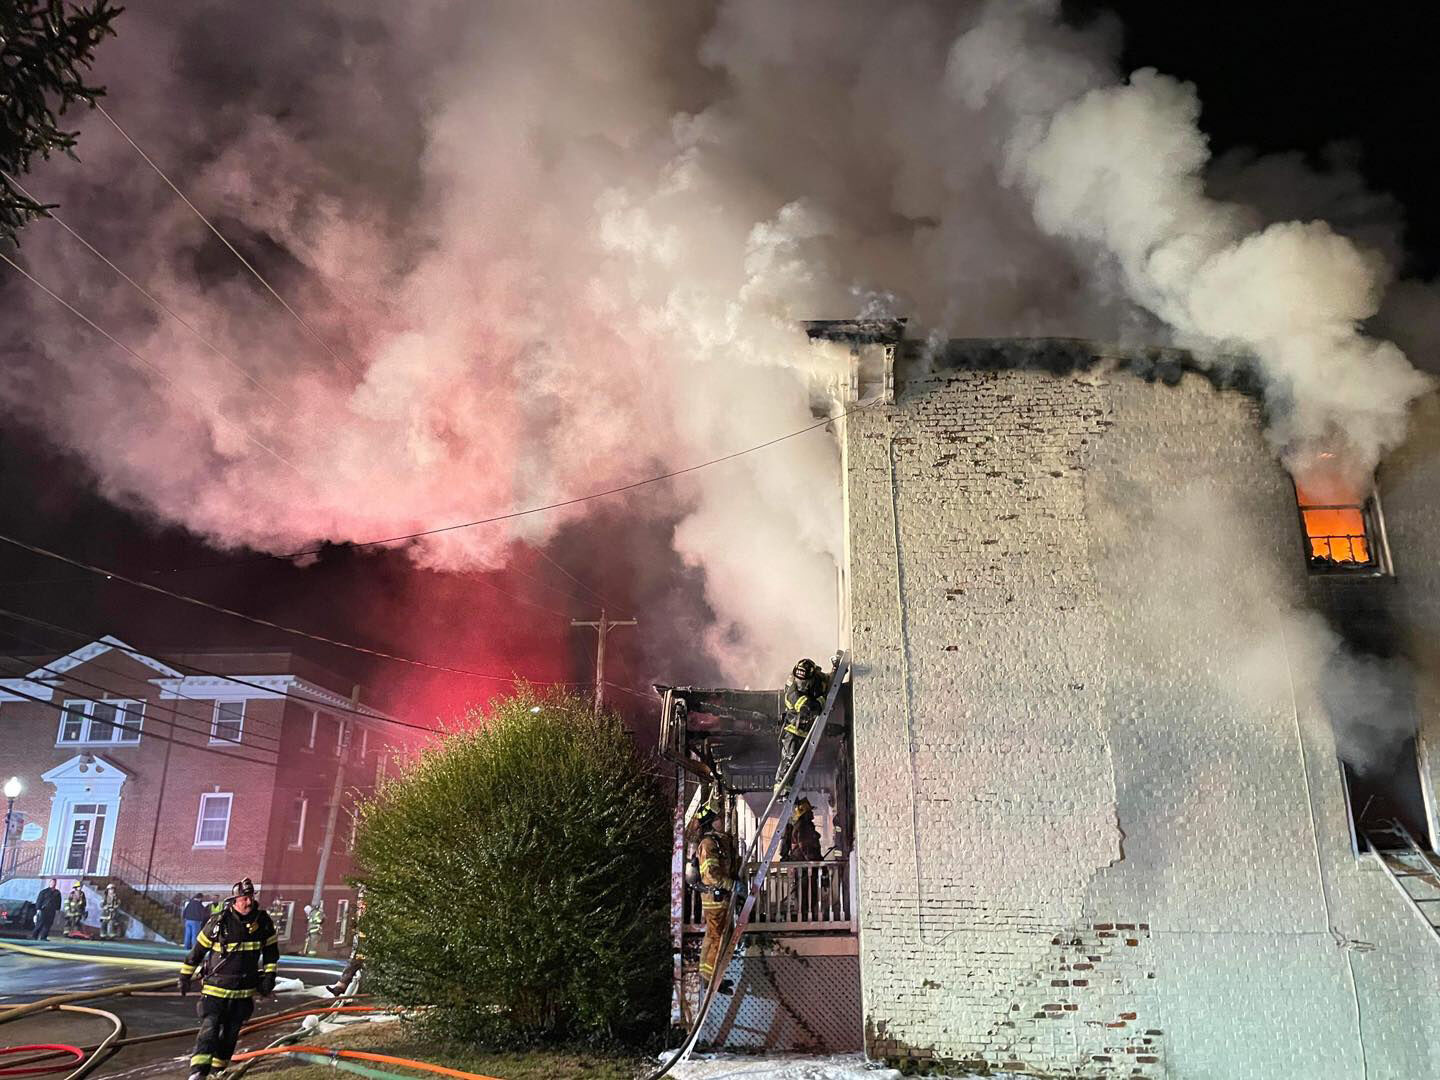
(12, 789)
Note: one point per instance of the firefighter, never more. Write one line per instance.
(314, 926)
(802, 701)
(357, 955)
(75, 909)
(241, 954)
(109, 912)
(715, 868)
(801, 843)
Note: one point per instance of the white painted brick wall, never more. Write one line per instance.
(1085, 841)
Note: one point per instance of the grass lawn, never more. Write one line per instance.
(401, 1040)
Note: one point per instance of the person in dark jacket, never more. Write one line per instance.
(802, 702)
(801, 842)
(47, 906)
(194, 913)
(241, 954)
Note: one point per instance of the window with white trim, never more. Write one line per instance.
(282, 914)
(113, 722)
(364, 742)
(228, 721)
(342, 920)
(298, 811)
(212, 824)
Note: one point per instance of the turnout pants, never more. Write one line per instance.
(347, 976)
(220, 1023)
(716, 924)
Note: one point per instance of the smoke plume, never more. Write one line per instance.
(560, 247)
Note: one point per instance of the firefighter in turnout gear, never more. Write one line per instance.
(357, 953)
(802, 702)
(314, 927)
(716, 868)
(110, 916)
(75, 910)
(238, 953)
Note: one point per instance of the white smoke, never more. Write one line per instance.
(561, 247)
(1121, 170)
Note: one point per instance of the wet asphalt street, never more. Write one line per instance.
(26, 977)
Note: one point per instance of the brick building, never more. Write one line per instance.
(180, 773)
(1102, 828)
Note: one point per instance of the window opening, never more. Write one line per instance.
(314, 729)
(342, 920)
(114, 721)
(282, 913)
(1387, 793)
(212, 827)
(1342, 536)
(228, 722)
(297, 821)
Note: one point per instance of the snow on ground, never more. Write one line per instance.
(789, 1067)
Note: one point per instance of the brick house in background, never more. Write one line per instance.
(179, 773)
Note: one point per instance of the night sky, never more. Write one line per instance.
(1272, 77)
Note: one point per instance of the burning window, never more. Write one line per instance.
(1342, 536)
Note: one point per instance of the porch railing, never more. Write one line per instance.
(796, 896)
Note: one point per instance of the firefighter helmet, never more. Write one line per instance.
(803, 805)
(805, 670)
(243, 887)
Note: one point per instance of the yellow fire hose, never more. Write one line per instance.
(96, 958)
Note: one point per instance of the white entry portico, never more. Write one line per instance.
(83, 811)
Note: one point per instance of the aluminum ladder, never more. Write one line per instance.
(1410, 868)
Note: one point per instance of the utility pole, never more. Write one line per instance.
(603, 627)
(317, 897)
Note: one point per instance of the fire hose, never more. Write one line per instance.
(326, 1056)
(30, 1066)
(114, 1041)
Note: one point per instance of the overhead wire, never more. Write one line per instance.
(197, 602)
(233, 250)
(239, 368)
(308, 552)
(577, 581)
(308, 702)
(149, 705)
(159, 738)
(205, 409)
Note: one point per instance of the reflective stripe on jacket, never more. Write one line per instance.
(236, 951)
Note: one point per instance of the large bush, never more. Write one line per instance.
(518, 878)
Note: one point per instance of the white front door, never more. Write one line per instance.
(85, 837)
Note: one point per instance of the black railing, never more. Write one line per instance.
(165, 894)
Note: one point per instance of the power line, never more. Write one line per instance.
(310, 703)
(72, 677)
(161, 738)
(205, 410)
(265, 622)
(243, 261)
(148, 296)
(577, 581)
(222, 564)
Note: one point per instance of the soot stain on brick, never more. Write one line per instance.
(1071, 356)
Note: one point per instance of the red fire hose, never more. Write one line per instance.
(44, 1050)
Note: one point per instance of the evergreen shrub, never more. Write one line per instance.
(517, 879)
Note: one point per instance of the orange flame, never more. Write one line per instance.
(1335, 532)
